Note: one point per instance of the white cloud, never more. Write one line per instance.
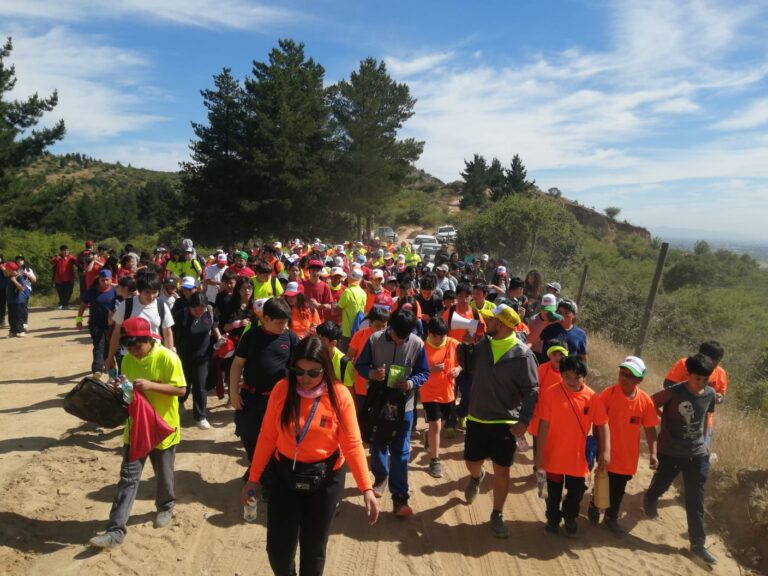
(238, 14)
(754, 116)
(408, 67)
(102, 89)
(163, 156)
(676, 106)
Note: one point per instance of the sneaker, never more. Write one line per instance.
(21, 335)
(498, 526)
(59, 307)
(163, 518)
(613, 525)
(402, 510)
(651, 507)
(473, 488)
(106, 540)
(463, 423)
(552, 528)
(570, 526)
(203, 424)
(593, 513)
(703, 554)
(436, 468)
(449, 432)
(380, 487)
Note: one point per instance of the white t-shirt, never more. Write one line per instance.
(213, 272)
(148, 312)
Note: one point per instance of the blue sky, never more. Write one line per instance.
(659, 107)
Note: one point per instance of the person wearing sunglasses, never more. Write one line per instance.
(309, 430)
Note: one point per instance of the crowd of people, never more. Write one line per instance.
(325, 350)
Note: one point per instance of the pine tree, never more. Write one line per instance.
(517, 177)
(368, 110)
(213, 182)
(475, 176)
(496, 181)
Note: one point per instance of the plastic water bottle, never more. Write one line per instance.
(127, 387)
(251, 508)
(522, 444)
(541, 484)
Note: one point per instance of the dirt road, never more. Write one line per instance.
(57, 477)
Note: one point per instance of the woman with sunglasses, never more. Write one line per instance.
(309, 430)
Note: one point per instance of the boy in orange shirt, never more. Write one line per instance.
(377, 320)
(437, 394)
(629, 409)
(567, 414)
(549, 376)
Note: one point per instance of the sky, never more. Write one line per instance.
(658, 107)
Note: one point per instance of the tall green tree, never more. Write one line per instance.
(213, 181)
(496, 180)
(475, 176)
(289, 152)
(517, 177)
(370, 163)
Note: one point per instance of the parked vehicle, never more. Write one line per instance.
(446, 234)
(422, 239)
(386, 233)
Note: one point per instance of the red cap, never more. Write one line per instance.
(11, 266)
(315, 264)
(136, 327)
(89, 243)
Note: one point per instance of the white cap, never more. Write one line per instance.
(189, 282)
(484, 258)
(501, 270)
(356, 274)
(338, 261)
(221, 258)
(338, 271)
(377, 273)
(634, 365)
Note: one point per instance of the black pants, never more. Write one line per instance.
(617, 484)
(695, 471)
(570, 507)
(248, 424)
(3, 306)
(64, 290)
(305, 520)
(99, 338)
(196, 375)
(17, 317)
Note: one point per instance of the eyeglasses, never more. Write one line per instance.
(313, 373)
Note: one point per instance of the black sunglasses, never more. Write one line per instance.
(313, 373)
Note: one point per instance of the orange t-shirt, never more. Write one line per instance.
(568, 428)
(304, 322)
(327, 432)
(548, 377)
(439, 387)
(359, 339)
(523, 327)
(718, 379)
(458, 334)
(625, 418)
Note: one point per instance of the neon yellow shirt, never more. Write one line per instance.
(349, 372)
(163, 366)
(264, 289)
(351, 302)
(502, 346)
(487, 305)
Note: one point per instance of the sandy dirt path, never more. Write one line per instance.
(57, 477)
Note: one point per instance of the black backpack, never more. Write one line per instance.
(95, 401)
(382, 414)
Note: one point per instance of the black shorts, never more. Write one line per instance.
(434, 411)
(494, 441)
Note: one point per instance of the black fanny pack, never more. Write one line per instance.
(306, 477)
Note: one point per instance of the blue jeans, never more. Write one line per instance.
(695, 471)
(391, 459)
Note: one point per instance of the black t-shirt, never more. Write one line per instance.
(267, 357)
(193, 335)
(432, 306)
(682, 421)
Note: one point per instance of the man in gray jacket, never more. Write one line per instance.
(505, 389)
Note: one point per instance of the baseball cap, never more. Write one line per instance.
(338, 271)
(388, 256)
(484, 258)
(293, 288)
(549, 302)
(377, 273)
(555, 285)
(356, 274)
(634, 365)
(89, 243)
(277, 245)
(169, 281)
(443, 268)
(501, 270)
(105, 273)
(569, 305)
(401, 257)
(338, 261)
(325, 272)
(189, 282)
(557, 348)
(137, 327)
(315, 264)
(504, 314)
(241, 254)
(188, 249)
(221, 258)
(11, 265)
(361, 258)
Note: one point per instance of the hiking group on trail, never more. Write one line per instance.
(328, 350)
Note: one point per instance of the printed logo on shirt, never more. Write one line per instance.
(283, 346)
(586, 410)
(634, 419)
(325, 422)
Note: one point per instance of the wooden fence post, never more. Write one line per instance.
(651, 299)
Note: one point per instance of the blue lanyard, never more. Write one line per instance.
(300, 435)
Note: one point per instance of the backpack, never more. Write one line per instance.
(96, 401)
(160, 311)
(382, 413)
(356, 324)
